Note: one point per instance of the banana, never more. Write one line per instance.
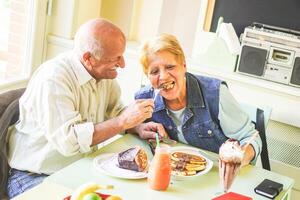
(113, 198)
(84, 189)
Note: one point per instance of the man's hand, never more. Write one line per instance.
(136, 113)
(148, 130)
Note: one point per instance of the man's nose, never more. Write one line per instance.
(121, 62)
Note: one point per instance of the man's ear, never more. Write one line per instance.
(86, 58)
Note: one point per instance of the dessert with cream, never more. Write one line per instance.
(230, 159)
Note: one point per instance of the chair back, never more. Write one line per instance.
(9, 115)
(260, 117)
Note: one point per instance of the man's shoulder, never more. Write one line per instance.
(56, 67)
(59, 60)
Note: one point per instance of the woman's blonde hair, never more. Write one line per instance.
(162, 42)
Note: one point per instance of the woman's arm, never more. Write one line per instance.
(236, 124)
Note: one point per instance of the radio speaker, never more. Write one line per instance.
(253, 60)
(295, 79)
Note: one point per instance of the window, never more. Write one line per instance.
(16, 38)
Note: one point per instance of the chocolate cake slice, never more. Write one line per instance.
(133, 159)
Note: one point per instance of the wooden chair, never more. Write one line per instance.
(260, 117)
(9, 115)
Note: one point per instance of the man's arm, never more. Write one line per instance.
(132, 116)
(66, 128)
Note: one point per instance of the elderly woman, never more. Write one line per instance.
(193, 109)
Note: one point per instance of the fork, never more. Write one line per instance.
(156, 91)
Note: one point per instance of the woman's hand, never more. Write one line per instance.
(248, 155)
(149, 130)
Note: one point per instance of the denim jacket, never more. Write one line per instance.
(201, 127)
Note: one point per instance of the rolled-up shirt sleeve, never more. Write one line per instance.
(65, 128)
(84, 133)
(235, 123)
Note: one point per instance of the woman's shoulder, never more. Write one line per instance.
(145, 92)
(208, 82)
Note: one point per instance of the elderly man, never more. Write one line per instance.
(71, 104)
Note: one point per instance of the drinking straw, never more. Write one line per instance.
(157, 140)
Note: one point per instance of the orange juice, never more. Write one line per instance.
(160, 170)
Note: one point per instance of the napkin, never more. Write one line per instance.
(232, 196)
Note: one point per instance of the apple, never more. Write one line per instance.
(91, 196)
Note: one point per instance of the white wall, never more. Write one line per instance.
(205, 51)
(180, 17)
(119, 12)
(67, 15)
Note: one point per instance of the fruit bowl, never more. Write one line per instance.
(103, 196)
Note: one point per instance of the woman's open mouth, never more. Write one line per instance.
(167, 85)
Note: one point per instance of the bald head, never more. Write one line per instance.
(97, 37)
(100, 45)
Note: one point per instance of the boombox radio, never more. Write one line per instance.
(271, 53)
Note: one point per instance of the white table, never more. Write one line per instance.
(202, 187)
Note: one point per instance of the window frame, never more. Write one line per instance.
(35, 44)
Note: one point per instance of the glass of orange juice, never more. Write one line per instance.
(160, 169)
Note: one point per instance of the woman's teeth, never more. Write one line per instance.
(168, 86)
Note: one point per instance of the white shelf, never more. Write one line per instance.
(252, 81)
(283, 99)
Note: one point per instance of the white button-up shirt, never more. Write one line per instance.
(58, 111)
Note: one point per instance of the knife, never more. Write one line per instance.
(165, 140)
(168, 141)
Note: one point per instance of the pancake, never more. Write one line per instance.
(186, 164)
(185, 157)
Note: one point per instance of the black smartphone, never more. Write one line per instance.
(268, 188)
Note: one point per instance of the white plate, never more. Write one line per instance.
(194, 151)
(107, 163)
